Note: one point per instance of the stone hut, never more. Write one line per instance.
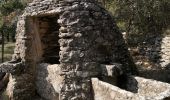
(61, 47)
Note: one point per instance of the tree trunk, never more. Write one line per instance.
(8, 39)
(2, 46)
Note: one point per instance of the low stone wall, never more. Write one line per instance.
(138, 88)
(105, 91)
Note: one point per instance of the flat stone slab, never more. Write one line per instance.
(149, 88)
(138, 89)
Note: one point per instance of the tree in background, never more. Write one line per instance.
(145, 22)
(9, 12)
(141, 16)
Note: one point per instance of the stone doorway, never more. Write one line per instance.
(44, 54)
(45, 37)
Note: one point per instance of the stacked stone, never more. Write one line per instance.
(40, 7)
(165, 52)
(75, 46)
(89, 37)
(97, 20)
(21, 85)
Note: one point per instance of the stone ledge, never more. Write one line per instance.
(11, 67)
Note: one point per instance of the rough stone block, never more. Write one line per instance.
(48, 81)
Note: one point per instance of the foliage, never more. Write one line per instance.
(8, 6)
(141, 16)
(9, 11)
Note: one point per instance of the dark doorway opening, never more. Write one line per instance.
(49, 36)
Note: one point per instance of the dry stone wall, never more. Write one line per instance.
(88, 38)
(138, 89)
(62, 44)
(87, 35)
(21, 84)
